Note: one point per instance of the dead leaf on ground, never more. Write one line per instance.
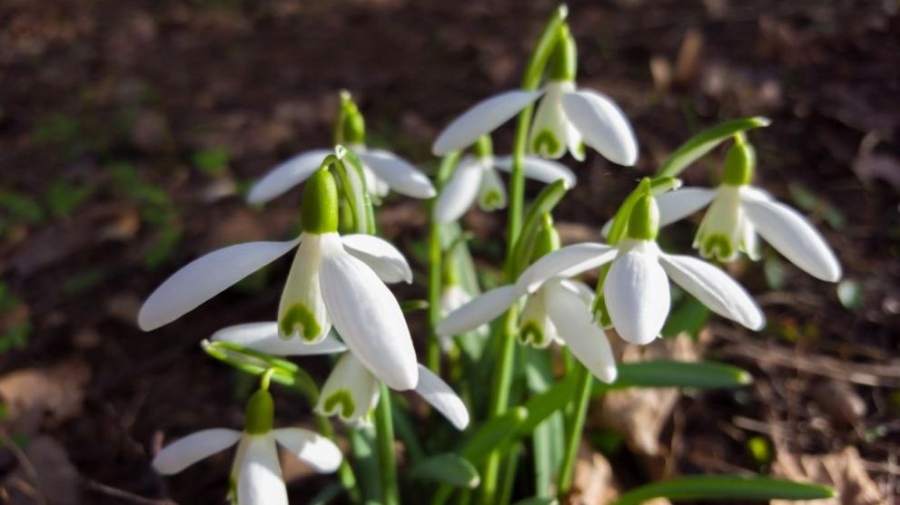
(593, 481)
(641, 414)
(34, 393)
(870, 166)
(45, 475)
(844, 471)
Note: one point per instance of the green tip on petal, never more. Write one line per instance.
(718, 245)
(340, 402)
(544, 143)
(299, 319)
(532, 334)
(739, 163)
(484, 148)
(319, 209)
(260, 413)
(643, 224)
(563, 62)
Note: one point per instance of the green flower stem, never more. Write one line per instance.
(503, 377)
(384, 431)
(435, 267)
(584, 382)
(345, 471)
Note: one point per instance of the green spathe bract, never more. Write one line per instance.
(260, 413)
(319, 209)
(563, 62)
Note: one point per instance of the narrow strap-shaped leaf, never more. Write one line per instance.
(706, 141)
(447, 468)
(543, 204)
(537, 500)
(493, 434)
(664, 373)
(540, 406)
(724, 487)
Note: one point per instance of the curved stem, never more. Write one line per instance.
(384, 431)
(584, 381)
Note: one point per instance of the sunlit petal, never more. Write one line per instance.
(483, 118)
(677, 205)
(350, 392)
(492, 193)
(259, 479)
(399, 174)
(204, 278)
(794, 237)
(264, 337)
(714, 288)
(287, 175)
(478, 311)
(310, 447)
(436, 392)
(301, 310)
(368, 318)
(385, 259)
(576, 327)
(719, 235)
(535, 327)
(540, 169)
(564, 262)
(460, 191)
(602, 124)
(637, 294)
(184, 452)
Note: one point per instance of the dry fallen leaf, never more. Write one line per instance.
(593, 482)
(34, 393)
(845, 471)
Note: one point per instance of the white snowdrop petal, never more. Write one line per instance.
(679, 204)
(460, 191)
(794, 237)
(714, 288)
(576, 327)
(478, 311)
(399, 174)
(540, 169)
(602, 124)
(550, 128)
(368, 318)
(259, 480)
(436, 392)
(637, 296)
(350, 392)
(263, 337)
(492, 192)
(204, 278)
(585, 292)
(184, 452)
(310, 447)
(385, 259)
(482, 118)
(287, 175)
(301, 310)
(564, 262)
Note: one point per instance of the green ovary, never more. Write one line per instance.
(718, 245)
(298, 318)
(545, 143)
(342, 402)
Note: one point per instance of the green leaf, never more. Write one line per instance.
(689, 317)
(537, 500)
(725, 487)
(539, 407)
(492, 434)
(63, 197)
(212, 161)
(327, 495)
(681, 374)
(447, 468)
(543, 204)
(706, 141)
(21, 207)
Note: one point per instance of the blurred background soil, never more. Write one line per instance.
(129, 129)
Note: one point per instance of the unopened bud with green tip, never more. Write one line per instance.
(260, 413)
(739, 163)
(319, 208)
(563, 64)
(351, 126)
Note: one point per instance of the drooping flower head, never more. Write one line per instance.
(256, 472)
(738, 211)
(566, 117)
(334, 281)
(382, 169)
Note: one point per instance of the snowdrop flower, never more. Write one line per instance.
(383, 170)
(334, 280)
(636, 288)
(256, 472)
(556, 310)
(351, 391)
(476, 177)
(738, 211)
(565, 118)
